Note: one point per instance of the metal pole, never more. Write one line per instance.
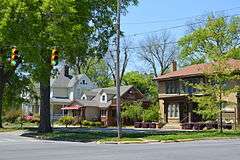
(118, 102)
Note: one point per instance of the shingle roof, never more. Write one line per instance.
(74, 80)
(60, 82)
(111, 94)
(195, 70)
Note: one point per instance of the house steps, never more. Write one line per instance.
(172, 126)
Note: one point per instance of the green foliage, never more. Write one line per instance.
(211, 96)
(143, 82)
(216, 40)
(66, 120)
(132, 111)
(12, 116)
(98, 72)
(151, 114)
(91, 123)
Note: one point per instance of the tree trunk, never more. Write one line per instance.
(221, 122)
(45, 124)
(2, 86)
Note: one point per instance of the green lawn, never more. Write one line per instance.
(110, 136)
(13, 127)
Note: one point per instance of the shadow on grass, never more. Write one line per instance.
(87, 135)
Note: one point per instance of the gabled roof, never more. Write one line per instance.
(74, 80)
(195, 70)
(111, 94)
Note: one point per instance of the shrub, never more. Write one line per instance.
(92, 124)
(151, 114)
(132, 111)
(98, 124)
(12, 116)
(86, 123)
(66, 120)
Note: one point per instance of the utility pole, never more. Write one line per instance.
(118, 102)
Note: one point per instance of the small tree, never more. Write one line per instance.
(221, 78)
(132, 111)
(151, 114)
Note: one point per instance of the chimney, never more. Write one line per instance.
(174, 65)
(66, 72)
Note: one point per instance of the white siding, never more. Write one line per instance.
(60, 92)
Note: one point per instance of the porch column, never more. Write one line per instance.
(238, 109)
(107, 116)
(63, 111)
(83, 113)
(51, 111)
(162, 111)
(189, 112)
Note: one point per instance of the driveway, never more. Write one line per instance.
(15, 147)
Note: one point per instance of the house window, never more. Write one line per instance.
(103, 98)
(84, 82)
(84, 97)
(173, 110)
(103, 113)
(172, 87)
(186, 85)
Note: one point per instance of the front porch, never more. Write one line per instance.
(176, 110)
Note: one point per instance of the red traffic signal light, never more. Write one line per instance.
(14, 57)
(54, 57)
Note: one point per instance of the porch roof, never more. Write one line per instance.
(74, 107)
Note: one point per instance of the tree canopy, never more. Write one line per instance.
(218, 38)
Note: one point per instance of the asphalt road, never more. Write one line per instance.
(14, 147)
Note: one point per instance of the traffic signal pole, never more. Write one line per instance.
(118, 101)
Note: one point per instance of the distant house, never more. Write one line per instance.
(175, 106)
(100, 104)
(78, 96)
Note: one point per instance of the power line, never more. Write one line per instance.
(173, 27)
(179, 19)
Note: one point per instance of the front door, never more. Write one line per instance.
(173, 113)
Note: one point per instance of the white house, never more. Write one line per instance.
(63, 91)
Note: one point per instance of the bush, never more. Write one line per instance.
(12, 116)
(92, 124)
(86, 123)
(133, 111)
(98, 124)
(66, 120)
(151, 114)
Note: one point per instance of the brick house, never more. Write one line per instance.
(175, 106)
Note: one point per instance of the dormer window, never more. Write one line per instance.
(84, 97)
(84, 82)
(103, 98)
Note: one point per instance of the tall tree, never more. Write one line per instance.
(143, 82)
(218, 38)
(110, 60)
(37, 26)
(217, 41)
(158, 51)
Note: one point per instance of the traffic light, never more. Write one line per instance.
(54, 57)
(14, 57)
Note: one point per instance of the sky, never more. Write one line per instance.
(152, 15)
